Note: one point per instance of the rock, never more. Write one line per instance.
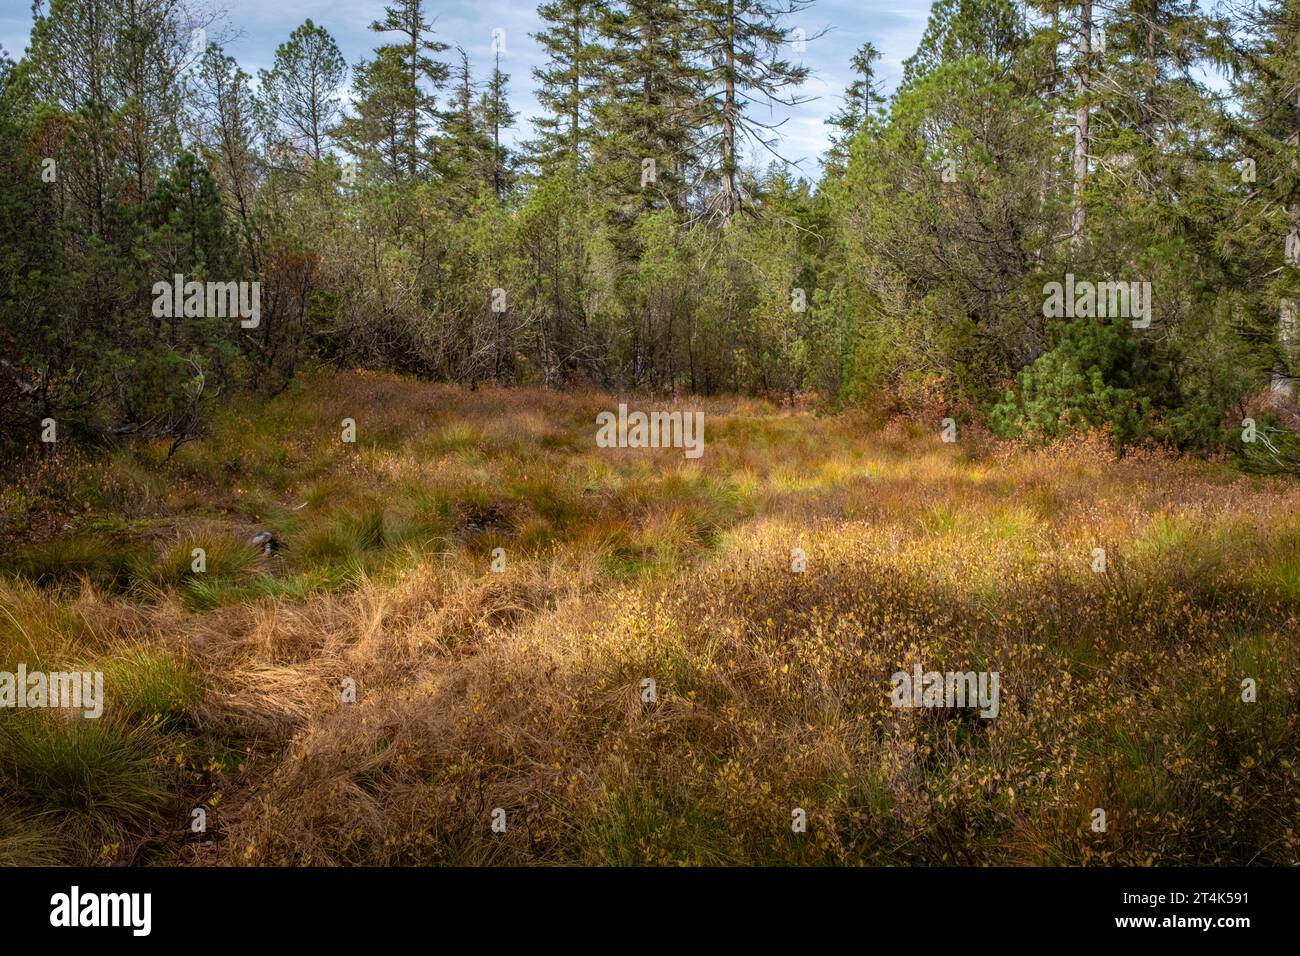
(266, 541)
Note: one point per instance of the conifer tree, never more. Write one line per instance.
(396, 93)
(496, 115)
(1263, 49)
(465, 151)
(649, 113)
(300, 93)
(744, 67)
(862, 98)
(568, 82)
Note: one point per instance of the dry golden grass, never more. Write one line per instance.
(522, 690)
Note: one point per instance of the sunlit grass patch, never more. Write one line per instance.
(151, 686)
(342, 534)
(220, 555)
(642, 823)
(33, 626)
(556, 503)
(465, 441)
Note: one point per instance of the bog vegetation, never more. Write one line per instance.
(497, 587)
(523, 689)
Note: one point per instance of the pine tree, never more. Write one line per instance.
(991, 31)
(300, 93)
(224, 116)
(941, 218)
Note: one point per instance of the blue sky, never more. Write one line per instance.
(256, 27)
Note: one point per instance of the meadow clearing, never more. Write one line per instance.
(524, 690)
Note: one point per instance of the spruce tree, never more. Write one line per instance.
(568, 82)
(396, 92)
(496, 115)
(650, 110)
(743, 67)
(465, 157)
(862, 98)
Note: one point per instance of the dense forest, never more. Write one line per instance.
(1066, 217)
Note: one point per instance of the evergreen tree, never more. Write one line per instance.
(1261, 48)
(650, 109)
(224, 109)
(568, 82)
(396, 93)
(743, 68)
(862, 99)
(496, 115)
(466, 152)
(300, 93)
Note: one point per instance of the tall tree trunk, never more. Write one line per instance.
(1078, 214)
(498, 174)
(575, 86)
(1283, 385)
(732, 199)
(413, 113)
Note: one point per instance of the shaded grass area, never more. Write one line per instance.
(91, 789)
(424, 476)
(648, 680)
